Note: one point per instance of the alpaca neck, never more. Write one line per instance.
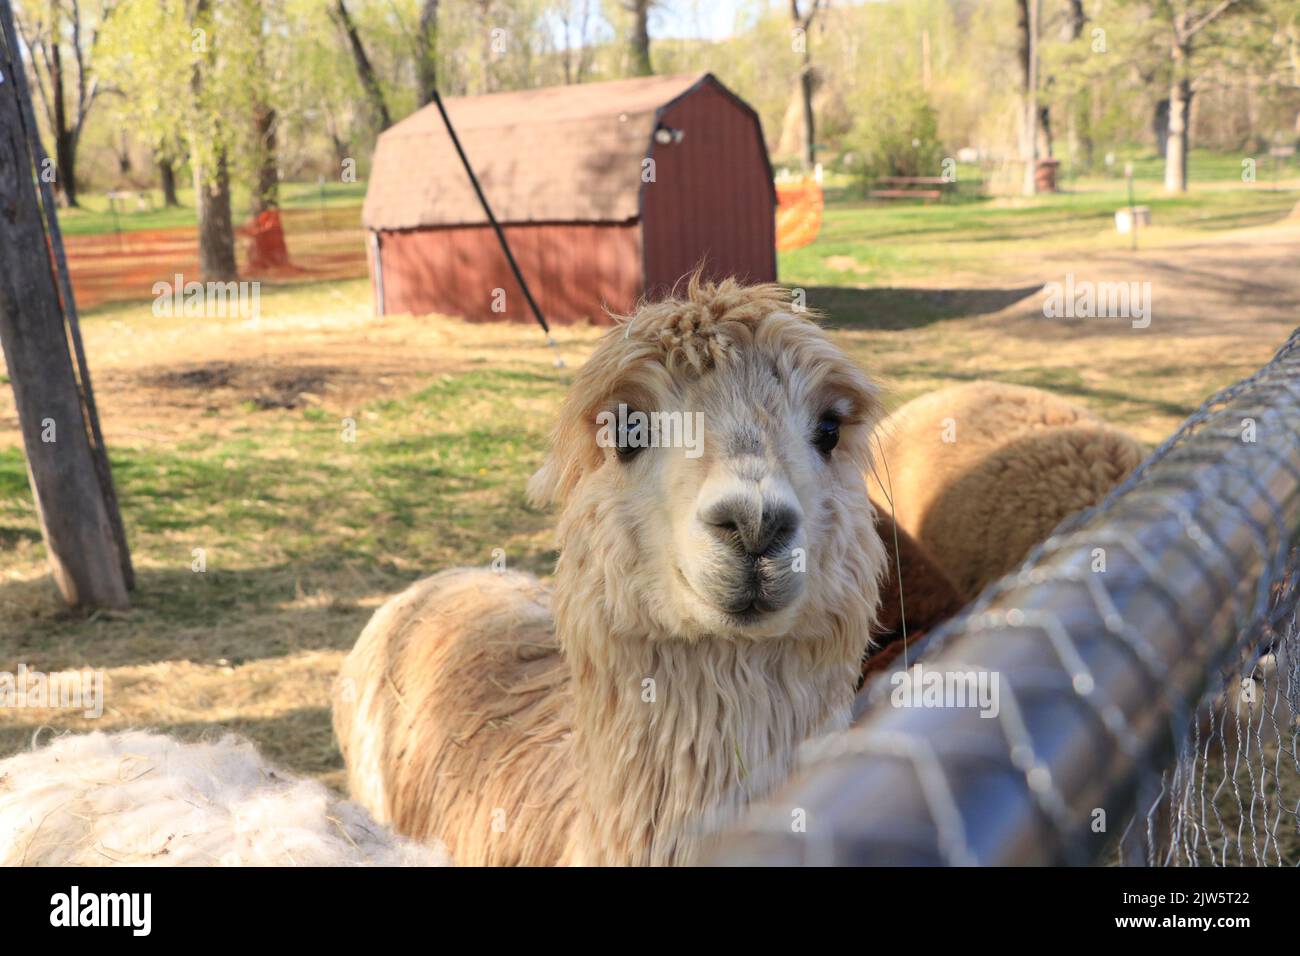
(675, 737)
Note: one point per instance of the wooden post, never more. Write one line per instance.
(70, 502)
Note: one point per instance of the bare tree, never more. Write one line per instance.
(638, 36)
(426, 50)
(64, 28)
(807, 79)
(577, 53)
(365, 72)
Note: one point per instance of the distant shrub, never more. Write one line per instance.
(896, 134)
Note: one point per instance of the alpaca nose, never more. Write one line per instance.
(753, 526)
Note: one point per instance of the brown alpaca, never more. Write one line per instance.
(982, 472)
(710, 612)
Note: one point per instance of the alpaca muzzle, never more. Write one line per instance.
(757, 561)
(764, 586)
(755, 528)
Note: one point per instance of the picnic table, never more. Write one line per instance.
(143, 200)
(910, 187)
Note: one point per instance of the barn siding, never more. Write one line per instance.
(574, 271)
(712, 197)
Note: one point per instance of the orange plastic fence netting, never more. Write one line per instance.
(798, 213)
(267, 249)
(319, 245)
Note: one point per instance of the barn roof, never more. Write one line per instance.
(557, 154)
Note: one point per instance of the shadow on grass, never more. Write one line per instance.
(1049, 380)
(12, 537)
(231, 615)
(846, 307)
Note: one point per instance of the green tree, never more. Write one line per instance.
(897, 133)
(188, 73)
(1187, 21)
(140, 48)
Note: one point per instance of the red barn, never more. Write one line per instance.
(606, 192)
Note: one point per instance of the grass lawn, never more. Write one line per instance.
(301, 530)
(232, 439)
(937, 245)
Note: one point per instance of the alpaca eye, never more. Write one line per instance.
(631, 442)
(827, 433)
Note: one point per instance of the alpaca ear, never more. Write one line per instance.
(544, 486)
(573, 451)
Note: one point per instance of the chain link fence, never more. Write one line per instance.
(1130, 695)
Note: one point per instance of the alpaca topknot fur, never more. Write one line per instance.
(142, 798)
(695, 332)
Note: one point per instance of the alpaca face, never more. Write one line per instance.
(729, 553)
(710, 461)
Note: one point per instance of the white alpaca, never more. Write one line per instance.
(710, 611)
(144, 798)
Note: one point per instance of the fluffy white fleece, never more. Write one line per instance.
(145, 798)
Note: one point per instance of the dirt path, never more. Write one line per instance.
(1217, 311)
(163, 379)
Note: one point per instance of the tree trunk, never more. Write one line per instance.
(1180, 103)
(807, 87)
(266, 190)
(65, 147)
(807, 81)
(212, 186)
(1083, 126)
(427, 51)
(70, 503)
(123, 151)
(342, 150)
(1022, 44)
(65, 162)
(638, 38)
(365, 72)
(1029, 22)
(216, 233)
(167, 178)
(1160, 126)
(1076, 18)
